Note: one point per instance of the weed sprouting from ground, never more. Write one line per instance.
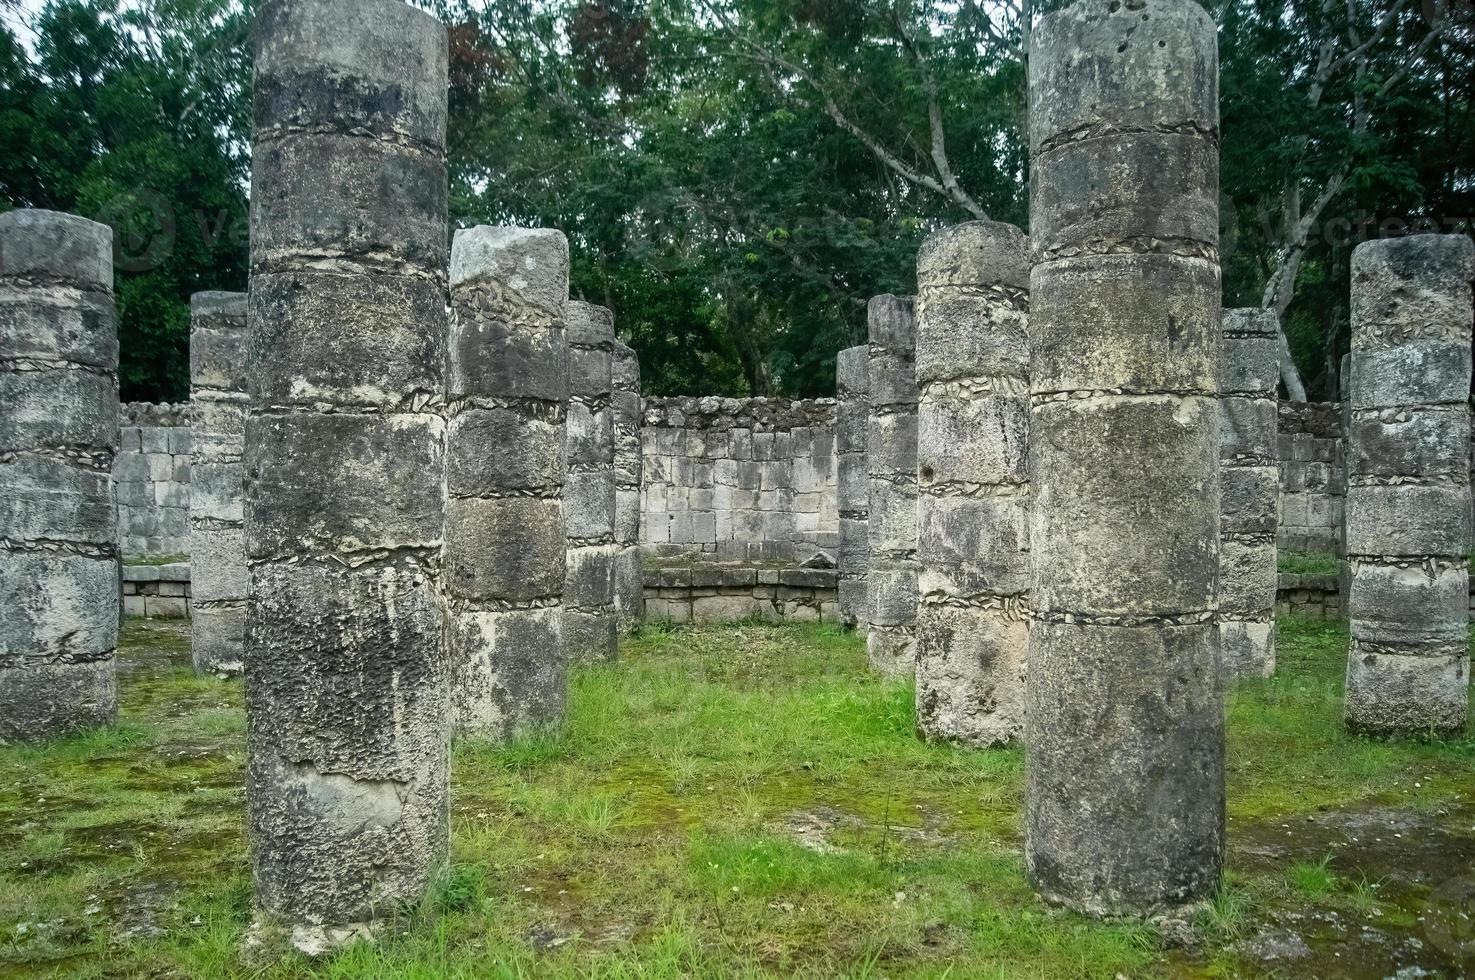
(738, 800)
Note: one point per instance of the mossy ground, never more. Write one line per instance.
(729, 801)
(1297, 563)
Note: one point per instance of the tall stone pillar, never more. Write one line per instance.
(853, 486)
(628, 576)
(1408, 486)
(891, 458)
(589, 627)
(504, 540)
(58, 433)
(1124, 715)
(218, 401)
(1250, 502)
(345, 463)
(973, 483)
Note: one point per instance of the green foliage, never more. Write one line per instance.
(135, 115)
(736, 177)
(1296, 563)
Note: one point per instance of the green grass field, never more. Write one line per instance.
(735, 801)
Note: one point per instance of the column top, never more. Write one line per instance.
(374, 66)
(588, 324)
(1099, 66)
(53, 244)
(974, 253)
(532, 261)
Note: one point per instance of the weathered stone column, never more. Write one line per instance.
(628, 574)
(852, 481)
(345, 464)
(59, 571)
(217, 352)
(1124, 715)
(973, 483)
(1408, 486)
(1250, 501)
(891, 458)
(504, 540)
(589, 627)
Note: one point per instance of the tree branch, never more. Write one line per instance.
(947, 186)
(934, 123)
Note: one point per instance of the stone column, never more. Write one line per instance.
(628, 576)
(1250, 502)
(504, 539)
(217, 352)
(345, 464)
(1124, 715)
(891, 453)
(973, 483)
(59, 601)
(1408, 486)
(852, 481)
(589, 627)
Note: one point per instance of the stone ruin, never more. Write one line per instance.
(627, 576)
(891, 460)
(347, 740)
(1408, 486)
(590, 624)
(59, 577)
(853, 483)
(217, 546)
(505, 539)
(421, 532)
(1250, 485)
(972, 483)
(1125, 719)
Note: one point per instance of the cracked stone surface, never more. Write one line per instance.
(1249, 506)
(59, 575)
(345, 450)
(1408, 485)
(1125, 726)
(973, 483)
(217, 534)
(891, 463)
(505, 471)
(590, 627)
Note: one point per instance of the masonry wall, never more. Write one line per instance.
(1312, 477)
(733, 479)
(152, 472)
(739, 479)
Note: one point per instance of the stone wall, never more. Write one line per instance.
(717, 593)
(1312, 477)
(730, 478)
(152, 472)
(735, 479)
(157, 591)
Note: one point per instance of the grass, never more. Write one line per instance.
(1297, 563)
(740, 801)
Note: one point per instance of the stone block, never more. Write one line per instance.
(1116, 536)
(374, 325)
(368, 482)
(509, 548)
(1133, 323)
(56, 408)
(970, 674)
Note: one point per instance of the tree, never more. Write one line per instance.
(137, 116)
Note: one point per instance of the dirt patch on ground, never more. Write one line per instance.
(1403, 902)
